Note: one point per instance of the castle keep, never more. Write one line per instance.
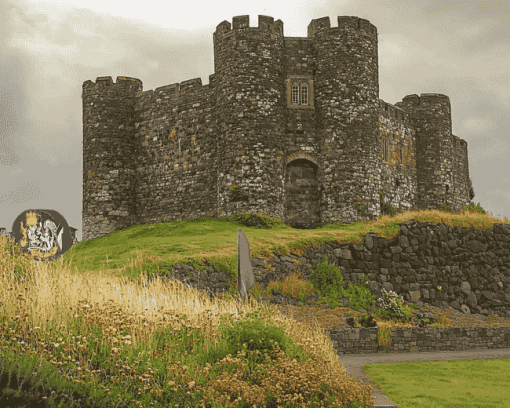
(289, 127)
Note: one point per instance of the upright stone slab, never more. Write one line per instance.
(245, 276)
(42, 234)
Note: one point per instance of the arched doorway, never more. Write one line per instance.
(301, 194)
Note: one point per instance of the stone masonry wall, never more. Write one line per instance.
(364, 340)
(461, 182)
(437, 160)
(250, 113)
(398, 175)
(471, 266)
(109, 155)
(177, 165)
(347, 117)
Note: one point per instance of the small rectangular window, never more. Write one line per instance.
(300, 92)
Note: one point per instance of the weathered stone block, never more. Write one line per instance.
(245, 276)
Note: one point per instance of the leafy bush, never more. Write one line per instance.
(256, 337)
(329, 284)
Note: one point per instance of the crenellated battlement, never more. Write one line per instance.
(106, 82)
(322, 26)
(425, 99)
(461, 145)
(265, 23)
(393, 111)
(190, 86)
(173, 93)
(460, 142)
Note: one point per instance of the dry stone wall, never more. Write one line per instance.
(425, 263)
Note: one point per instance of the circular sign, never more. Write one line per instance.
(42, 234)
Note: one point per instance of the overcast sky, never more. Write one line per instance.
(47, 51)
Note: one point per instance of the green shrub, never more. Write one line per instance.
(329, 285)
(255, 337)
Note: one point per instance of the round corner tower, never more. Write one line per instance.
(108, 155)
(346, 82)
(431, 116)
(250, 96)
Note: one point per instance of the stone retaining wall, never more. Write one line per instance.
(404, 340)
(425, 263)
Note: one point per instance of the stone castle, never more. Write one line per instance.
(289, 127)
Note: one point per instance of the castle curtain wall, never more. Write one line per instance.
(398, 164)
(460, 193)
(176, 164)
